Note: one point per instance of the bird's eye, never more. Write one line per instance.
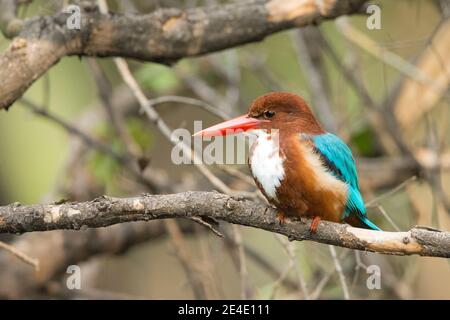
(268, 114)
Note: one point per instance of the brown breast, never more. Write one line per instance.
(308, 189)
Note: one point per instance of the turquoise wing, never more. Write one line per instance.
(338, 158)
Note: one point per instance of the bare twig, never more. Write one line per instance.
(322, 283)
(190, 101)
(183, 255)
(163, 127)
(315, 78)
(125, 160)
(105, 89)
(264, 263)
(382, 122)
(289, 247)
(19, 254)
(388, 57)
(340, 272)
(375, 202)
(388, 217)
(246, 290)
(208, 225)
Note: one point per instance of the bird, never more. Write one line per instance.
(301, 169)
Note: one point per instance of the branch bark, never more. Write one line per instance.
(165, 35)
(105, 211)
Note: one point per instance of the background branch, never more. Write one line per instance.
(170, 34)
(68, 247)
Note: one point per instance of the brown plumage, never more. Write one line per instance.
(299, 167)
(293, 114)
(300, 193)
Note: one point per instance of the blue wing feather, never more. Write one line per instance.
(338, 158)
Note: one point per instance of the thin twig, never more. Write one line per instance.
(105, 89)
(388, 217)
(163, 127)
(387, 56)
(183, 255)
(323, 282)
(246, 291)
(127, 162)
(208, 225)
(315, 78)
(375, 202)
(202, 89)
(191, 101)
(358, 266)
(289, 248)
(263, 262)
(382, 122)
(340, 272)
(21, 255)
(278, 282)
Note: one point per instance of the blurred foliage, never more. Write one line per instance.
(103, 166)
(364, 142)
(157, 78)
(140, 133)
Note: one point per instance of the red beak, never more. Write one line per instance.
(242, 123)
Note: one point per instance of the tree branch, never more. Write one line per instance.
(165, 35)
(9, 23)
(105, 211)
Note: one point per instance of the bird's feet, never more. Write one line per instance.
(314, 224)
(281, 217)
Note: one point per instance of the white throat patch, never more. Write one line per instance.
(266, 162)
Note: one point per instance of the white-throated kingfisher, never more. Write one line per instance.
(299, 167)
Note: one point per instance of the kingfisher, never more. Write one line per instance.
(300, 168)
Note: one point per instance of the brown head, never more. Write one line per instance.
(276, 110)
(284, 111)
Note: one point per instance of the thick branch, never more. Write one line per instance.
(106, 211)
(164, 35)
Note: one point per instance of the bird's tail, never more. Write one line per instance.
(361, 221)
(369, 224)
